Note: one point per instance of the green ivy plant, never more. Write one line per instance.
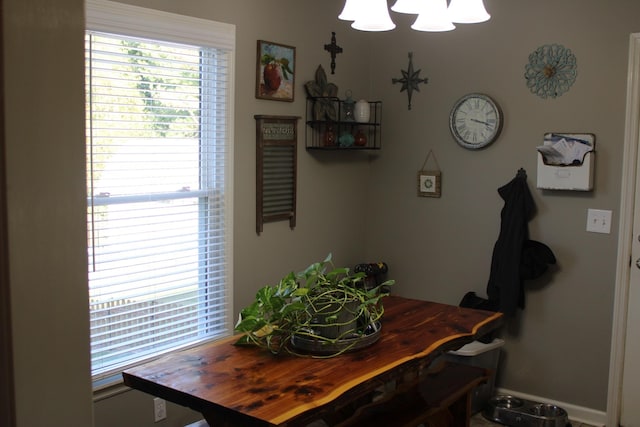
(312, 305)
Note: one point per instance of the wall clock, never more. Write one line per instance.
(475, 121)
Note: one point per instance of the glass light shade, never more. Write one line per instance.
(351, 10)
(373, 16)
(407, 6)
(468, 11)
(434, 16)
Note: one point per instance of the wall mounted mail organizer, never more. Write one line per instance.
(566, 161)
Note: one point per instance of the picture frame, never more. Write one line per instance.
(275, 71)
(429, 183)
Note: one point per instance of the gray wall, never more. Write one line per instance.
(438, 249)
(44, 117)
(357, 207)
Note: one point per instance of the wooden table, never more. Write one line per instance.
(247, 386)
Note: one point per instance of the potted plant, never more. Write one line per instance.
(322, 310)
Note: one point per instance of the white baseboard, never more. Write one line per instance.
(576, 413)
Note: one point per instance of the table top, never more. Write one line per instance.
(274, 389)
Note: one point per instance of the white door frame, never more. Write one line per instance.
(625, 232)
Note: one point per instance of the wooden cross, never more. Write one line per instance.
(333, 49)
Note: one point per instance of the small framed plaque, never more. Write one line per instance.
(429, 183)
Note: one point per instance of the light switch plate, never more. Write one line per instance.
(599, 221)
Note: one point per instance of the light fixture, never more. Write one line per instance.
(468, 11)
(350, 10)
(373, 15)
(433, 15)
(407, 6)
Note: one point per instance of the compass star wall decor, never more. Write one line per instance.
(410, 79)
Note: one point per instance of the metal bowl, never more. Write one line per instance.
(329, 347)
(547, 410)
(513, 411)
(506, 402)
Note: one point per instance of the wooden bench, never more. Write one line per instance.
(440, 398)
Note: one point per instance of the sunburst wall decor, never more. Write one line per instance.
(551, 70)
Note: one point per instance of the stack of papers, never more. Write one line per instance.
(565, 150)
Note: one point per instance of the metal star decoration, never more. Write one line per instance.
(410, 79)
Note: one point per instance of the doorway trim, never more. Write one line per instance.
(625, 233)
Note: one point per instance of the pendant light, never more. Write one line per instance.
(351, 10)
(407, 6)
(468, 11)
(434, 16)
(373, 15)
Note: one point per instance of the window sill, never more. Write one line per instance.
(109, 387)
(113, 385)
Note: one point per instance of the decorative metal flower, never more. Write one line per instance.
(323, 92)
(551, 70)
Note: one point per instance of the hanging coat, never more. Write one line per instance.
(505, 287)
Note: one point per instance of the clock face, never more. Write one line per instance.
(475, 121)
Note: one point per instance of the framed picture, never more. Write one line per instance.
(275, 71)
(429, 183)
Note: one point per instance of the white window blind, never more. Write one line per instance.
(159, 200)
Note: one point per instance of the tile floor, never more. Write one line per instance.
(479, 421)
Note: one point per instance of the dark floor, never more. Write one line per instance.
(479, 421)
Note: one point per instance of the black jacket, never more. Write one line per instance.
(505, 288)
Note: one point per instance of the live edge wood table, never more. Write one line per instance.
(247, 386)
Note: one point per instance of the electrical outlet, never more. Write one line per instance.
(159, 409)
(599, 221)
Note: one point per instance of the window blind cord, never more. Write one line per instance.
(91, 189)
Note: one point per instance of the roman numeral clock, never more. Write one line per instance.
(475, 121)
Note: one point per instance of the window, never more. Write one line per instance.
(159, 167)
